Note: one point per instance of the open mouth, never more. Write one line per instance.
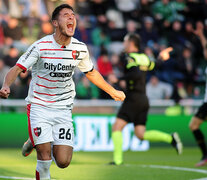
(70, 27)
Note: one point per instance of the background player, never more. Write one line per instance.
(201, 114)
(135, 106)
(51, 93)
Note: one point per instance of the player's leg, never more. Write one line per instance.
(40, 132)
(159, 136)
(118, 140)
(63, 135)
(194, 126)
(155, 135)
(44, 161)
(63, 155)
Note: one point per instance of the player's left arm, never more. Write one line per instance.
(96, 78)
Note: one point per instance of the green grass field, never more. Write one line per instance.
(155, 164)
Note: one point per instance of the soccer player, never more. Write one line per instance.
(201, 114)
(50, 98)
(135, 107)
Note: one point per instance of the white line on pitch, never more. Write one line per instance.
(18, 178)
(201, 179)
(177, 168)
(11, 177)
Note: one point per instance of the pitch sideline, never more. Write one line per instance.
(18, 178)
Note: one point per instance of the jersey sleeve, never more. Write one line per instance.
(141, 60)
(86, 64)
(29, 58)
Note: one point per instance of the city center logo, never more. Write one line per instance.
(75, 54)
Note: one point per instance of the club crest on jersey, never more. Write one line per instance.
(37, 131)
(75, 54)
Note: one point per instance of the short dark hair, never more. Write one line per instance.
(135, 38)
(57, 10)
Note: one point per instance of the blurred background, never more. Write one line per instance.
(175, 90)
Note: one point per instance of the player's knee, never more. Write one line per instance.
(193, 126)
(46, 155)
(63, 163)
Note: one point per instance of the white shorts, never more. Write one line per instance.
(50, 125)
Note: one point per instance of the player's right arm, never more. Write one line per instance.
(8, 80)
(26, 61)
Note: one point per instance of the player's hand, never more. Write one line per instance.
(165, 54)
(199, 29)
(118, 95)
(4, 92)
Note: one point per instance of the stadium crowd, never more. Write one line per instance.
(102, 25)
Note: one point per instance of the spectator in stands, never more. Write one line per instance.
(105, 69)
(23, 85)
(14, 9)
(86, 90)
(128, 8)
(195, 10)
(12, 57)
(149, 33)
(99, 38)
(32, 11)
(13, 29)
(116, 65)
(116, 35)
(3, 8)
(163, 12)
(145, 8)
(13, 33)
(104, 64)
(199, 32)
(99, 8)
(176, 38)
(3, 71)
(192, 41)
(46, 29)
(188, 68)
(157, 89)
(83, 8)
(83, 31)
(105, 22)
(132, 26)
(197, 93)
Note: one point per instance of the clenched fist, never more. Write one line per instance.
(4, 92)
(118, 95)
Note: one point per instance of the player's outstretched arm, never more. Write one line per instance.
(164, 55)
(96, 78)
(8, 80)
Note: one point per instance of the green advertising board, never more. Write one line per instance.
(96, 129)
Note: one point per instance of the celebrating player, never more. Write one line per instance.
(50, 98)
(135, 107)
(201, 114)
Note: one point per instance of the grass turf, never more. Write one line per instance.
(93, 165)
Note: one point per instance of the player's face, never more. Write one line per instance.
(66, 22)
